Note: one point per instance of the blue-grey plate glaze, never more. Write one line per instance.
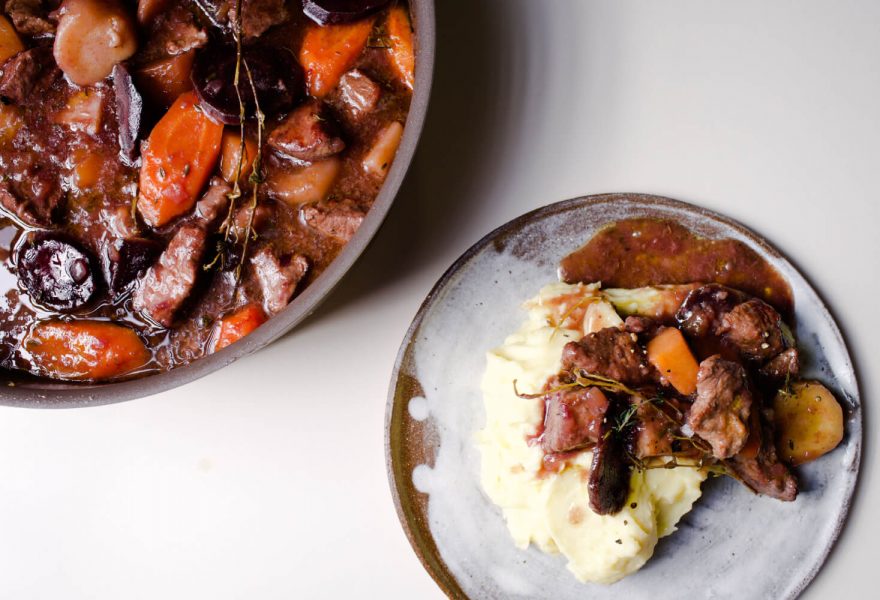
(732, 545)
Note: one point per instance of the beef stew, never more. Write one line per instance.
(174, 193)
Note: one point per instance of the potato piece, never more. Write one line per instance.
(83, 112)
(809, 422)
(306, 184)
(230, 156)
(379, 158)
(92, 36)
(10, 43)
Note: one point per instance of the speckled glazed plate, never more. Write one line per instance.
(733, 544)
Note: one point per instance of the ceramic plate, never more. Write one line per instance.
(733, 544)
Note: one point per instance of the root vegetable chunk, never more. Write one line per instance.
(329, 51)
(85, 350)
(809, 422)
(400, 40)
(378, 159)
(236, 325)
(92, 37)
(10, 43)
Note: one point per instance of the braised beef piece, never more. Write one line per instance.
(334, 218)
(611, 353)
(31, 17)
(277, 277)
(257, 15)
(641, 325)
(24, 75)
(572, 417)
(701, 312)
(720, 413)
(123, 261)
(654, 433)
(610, 473)
(168, 283)
(33, 197)
(785, 365)
(172, 32)
(754, 328)
(358, 93)
(306, 134)
(762, 471)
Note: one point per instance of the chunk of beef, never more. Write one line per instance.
(336, 219)
(611, 353)
(257, 15)
(702, 310)
(641, 325)
(572, 418)
(214, 203)
(359, 93)
(755, 329)
(23, 76)
(306, 134)
(33, 199)
(174, 32)
(123, 261)
(654, 431)
(762, 471)
(278, 277)
(721, 411)
(608, 486)
(785, 365)
(169, 282)
(30, 17)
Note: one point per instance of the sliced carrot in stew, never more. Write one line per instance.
(164, 80)
(10, 43)
(669, 353)
(400, 40)
(236, 325)
(85, 350)
(328, 51)
(229, 156)
(178, 159)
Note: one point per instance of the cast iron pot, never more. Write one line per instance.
(51, 394)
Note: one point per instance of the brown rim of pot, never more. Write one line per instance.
(51, 394)
(411, 505)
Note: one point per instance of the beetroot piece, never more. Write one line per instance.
(56, 273)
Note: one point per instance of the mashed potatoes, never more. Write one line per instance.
(552, 510)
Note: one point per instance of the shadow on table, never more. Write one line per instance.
(473, 103)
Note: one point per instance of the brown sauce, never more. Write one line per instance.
(640, 252)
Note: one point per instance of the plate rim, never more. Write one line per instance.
(431, 559)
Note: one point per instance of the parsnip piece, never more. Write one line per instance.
(92, 36)
(379, 158)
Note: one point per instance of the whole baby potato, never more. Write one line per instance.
(809, 422)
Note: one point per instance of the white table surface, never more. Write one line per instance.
(267, 480)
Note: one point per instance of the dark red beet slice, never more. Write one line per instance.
(124, 260)
(324, 12)
(129, 106)
(278, 79)
(56, 273)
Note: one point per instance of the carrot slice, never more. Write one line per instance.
(10, 43)
(400, 40)
(178, 159)
(236, 325)
(85, 350)
(669, 353)
(328, 51)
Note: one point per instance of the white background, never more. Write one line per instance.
(267, 480)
